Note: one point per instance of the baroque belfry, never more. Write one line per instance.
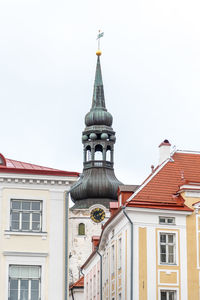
(98, 185)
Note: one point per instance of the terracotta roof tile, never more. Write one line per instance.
(166, 183)
(78, 284)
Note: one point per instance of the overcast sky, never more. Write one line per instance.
(151, 73)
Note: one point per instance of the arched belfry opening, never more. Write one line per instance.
(108, 154)
(98, 153)
(88, 153)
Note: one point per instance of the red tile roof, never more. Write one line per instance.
(13, 166)
(164, 184)
(78, 284)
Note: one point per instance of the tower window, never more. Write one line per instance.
(88, 153)
(108, 153)
(81, 229)
(98, 152)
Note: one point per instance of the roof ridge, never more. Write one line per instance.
(187, 151)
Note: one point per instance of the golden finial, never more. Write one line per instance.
(98, 53)
(100, 35)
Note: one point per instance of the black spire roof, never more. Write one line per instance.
(98, 114)
(98, 183)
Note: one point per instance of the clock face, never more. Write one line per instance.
(97, 215)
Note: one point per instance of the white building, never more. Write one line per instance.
(32, 230)
(149, 248)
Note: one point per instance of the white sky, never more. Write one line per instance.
(151, 74)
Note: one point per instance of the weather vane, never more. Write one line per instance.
(99, 36)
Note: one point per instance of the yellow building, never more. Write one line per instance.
(32, 230)
(149, 248)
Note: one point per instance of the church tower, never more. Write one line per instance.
(98, 185)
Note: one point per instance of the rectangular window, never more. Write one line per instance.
(167, 220)
(119, 253)
(24, 282)
(112, 259)
(87, 291)
(90, 289)
(98, 281)
(107, 266)
(167, 248)
(167, 295)
(26, 215)
(94, 285)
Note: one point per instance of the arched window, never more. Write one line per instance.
(88, 153)
(81, 229)
(108, 153)
(98, 152)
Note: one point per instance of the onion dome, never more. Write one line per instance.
(97, 184)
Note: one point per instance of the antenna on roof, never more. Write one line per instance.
(182, 175)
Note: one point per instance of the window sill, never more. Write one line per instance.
(8, 233)
(167, 264)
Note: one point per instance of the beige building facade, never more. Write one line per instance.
(32, 231)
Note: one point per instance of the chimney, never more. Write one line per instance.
(95, 242)
(164, 152)
(113, 208)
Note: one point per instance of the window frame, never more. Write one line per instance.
(120, 253)
(112, 261)
(19, 289)
(175, 243)
(31, 212)
(166, 220)
(81, 234)
(162, 289)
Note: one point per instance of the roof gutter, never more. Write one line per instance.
(131, 277)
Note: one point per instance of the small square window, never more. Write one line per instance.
(166, 220)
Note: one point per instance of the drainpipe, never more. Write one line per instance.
(81, 272)
(131, 279)
(72, 293)
(66, 236)
(100, 273)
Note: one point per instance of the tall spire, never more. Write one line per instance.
(99, 183)
(98, 100)
(98, 114)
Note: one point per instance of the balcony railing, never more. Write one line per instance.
(98, 164)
